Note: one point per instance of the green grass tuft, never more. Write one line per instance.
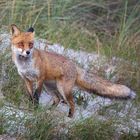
(109, 27)
(92, 129)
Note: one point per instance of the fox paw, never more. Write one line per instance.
(70, 115)
(36, 98)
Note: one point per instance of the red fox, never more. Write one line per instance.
(38, 66)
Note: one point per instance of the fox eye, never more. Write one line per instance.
(20, 44)
(31, 44)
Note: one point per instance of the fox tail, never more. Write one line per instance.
(95, 84)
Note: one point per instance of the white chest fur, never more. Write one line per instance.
(26, 69)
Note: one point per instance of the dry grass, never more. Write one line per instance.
(109, 27)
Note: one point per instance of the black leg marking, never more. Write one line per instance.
(36, 97)
(30, 98)
(70, 114)
(64, 102)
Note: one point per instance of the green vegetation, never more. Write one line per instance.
(12, 85)
(91, 129)
(108, 27)
(40, 127)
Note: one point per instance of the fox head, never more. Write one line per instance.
(22, 42)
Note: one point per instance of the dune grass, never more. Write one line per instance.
(109, 27)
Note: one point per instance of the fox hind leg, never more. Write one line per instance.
(71, 104)
(56, 100)
(65, 89)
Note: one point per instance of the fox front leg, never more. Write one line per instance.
(29, 85)
(38, 91)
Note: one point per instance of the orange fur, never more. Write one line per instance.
(40, 66)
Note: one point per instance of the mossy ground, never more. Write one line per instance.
(109, 27)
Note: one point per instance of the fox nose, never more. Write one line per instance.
(28, 52)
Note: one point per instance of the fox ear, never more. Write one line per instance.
(15, 30)
(31, 29)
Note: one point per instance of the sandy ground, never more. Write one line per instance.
(6, 137)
